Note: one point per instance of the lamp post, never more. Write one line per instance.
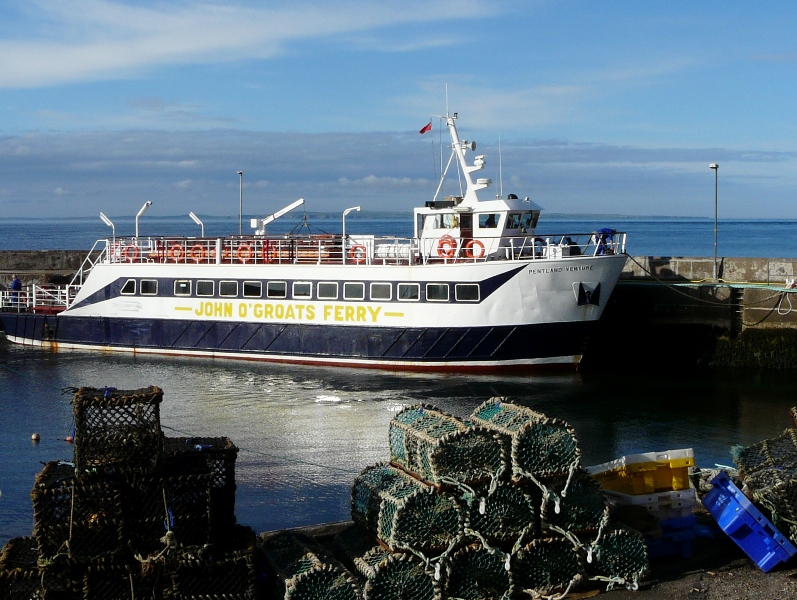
(144, 208)
(109, 223)
(715, 168)
(343, 242)
(241, 204)
(196, 220)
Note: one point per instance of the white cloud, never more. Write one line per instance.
(373, 180)
(103, 39)
(60, 191)
(185, 184)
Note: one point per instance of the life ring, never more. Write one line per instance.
(358, 254)
(471, 245)
(244, 253)
(446, 247)
(176, 252)
(131, 253)
(197, 253)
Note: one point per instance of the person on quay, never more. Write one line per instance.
(16, 287)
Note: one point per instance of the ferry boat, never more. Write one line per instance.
(474, 289)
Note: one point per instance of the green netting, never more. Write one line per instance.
(475, 573)
(545, 566)
(403, 512)
(780, 452)
(541, 446)
(619, 557)
(386, 575)
(584, 509)
(301, 571)
(503, 514)
(441, 449)
(776, 490)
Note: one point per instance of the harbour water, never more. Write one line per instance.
(305, 432)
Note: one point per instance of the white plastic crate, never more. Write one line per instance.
(664, 505)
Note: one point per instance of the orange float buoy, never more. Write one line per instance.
(69, 439)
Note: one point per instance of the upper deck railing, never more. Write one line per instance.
(358, 249)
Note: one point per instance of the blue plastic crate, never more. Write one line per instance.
(672, 525)
(667, 546)
(745, 525)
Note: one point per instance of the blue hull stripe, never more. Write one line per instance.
(433, 344)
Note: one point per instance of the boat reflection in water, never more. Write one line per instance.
(305, 432)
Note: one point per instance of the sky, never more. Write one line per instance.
(613, 107)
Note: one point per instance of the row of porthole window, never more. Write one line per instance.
(303, 290)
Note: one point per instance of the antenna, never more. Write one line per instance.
(500, 168)
(447, 99)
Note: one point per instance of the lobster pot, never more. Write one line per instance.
(439, 448)
(582, 510)
(224, 576)
(20, 578)
(385, 575)
(540, 446)
(78, 517)
(404, 512)
(118, 580)
(503, 515)
(215, 456)
(619, 556)
(779, 452)
(545, 566)
(302, 572)
(474, 573)
(117, 428)
(776, 490)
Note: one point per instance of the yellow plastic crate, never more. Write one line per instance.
(646, 473)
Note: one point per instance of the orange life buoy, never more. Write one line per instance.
(446, 247)
(131, 253)
(197, 253)
(176, 252)
(244, 253)
(358, 254)
(471, 245)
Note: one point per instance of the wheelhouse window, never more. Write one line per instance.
(253, 289)
(527, 222)
(437, 292)
(446, 221)
(129, 288)
(302, 289)
(182, 287)
(228, 289)
(276, 289)
(204, 288)
(381, 291)
(149, 287)
(466, 292)
(409, 292)
(353, 291)
(488, 220)
(327, 290)
(513, 221)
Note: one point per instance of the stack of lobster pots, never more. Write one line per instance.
(135, 514)
(495, 506)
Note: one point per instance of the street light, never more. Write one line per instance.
(346, 212)
(241, 205)
(144, 208)
(109, 223)
(716, 168)
(196, 220)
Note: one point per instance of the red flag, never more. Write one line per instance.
(425, 128)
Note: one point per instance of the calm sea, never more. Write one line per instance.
(305, 432)
(646, 237)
